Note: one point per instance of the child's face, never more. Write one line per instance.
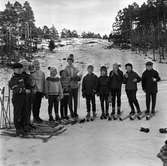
(53, 73)
(115, 67)
(149, 67)
(128, 68)
(63, 74)
(70, 62)
(18, 71)
(90, 70)
(36, 65)
(103, 73)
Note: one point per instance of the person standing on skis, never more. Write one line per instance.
(89, 89)
(103, 92)
(131, 79)
(72, 73)
(115, 86)
(150, 78)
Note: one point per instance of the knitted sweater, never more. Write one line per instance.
(53, 86)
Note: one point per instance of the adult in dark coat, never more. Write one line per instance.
(131, 79)
(150, 77)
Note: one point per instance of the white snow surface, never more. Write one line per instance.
(98, 143)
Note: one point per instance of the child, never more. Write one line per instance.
(103, 91)
(72, 73)
(65, 82)
(131, 79)
(89, 89)
(39, 78)
(17, 85)
(150, 78)
(54, 93)
(115, 86)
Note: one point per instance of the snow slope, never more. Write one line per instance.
(98, 143)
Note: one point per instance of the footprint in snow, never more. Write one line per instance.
(36, 162)
(10, 150)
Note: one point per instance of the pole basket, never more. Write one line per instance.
(5, 115)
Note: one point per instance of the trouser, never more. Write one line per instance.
(53, 101)
(64, 106)
(73, 100)
(19, 103)
(37, 98)
(149, 97)
(28, 108)
(104, 103)
(131, 94)
(116, 94)
(90, 99)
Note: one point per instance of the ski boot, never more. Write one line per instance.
(107, 115)
(57, 118)
(102, 116)
(51, 118)
(111, 116)
(20, 133)
(88, 117)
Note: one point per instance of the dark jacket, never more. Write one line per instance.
(129, 83)
(103, 85)
(115, 81)
(17, 84)
(89, 84)
(148, 84)
(29, 83)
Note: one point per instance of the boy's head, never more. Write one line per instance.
(70, 59)
(90, 69)
(53, 71)
(36, 64)
(18, 68)
(103, 70)
(129, 67)
(149, 65)
(31, 68)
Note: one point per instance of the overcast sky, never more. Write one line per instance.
(81, 15)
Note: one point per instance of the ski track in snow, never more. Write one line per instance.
(98, 143)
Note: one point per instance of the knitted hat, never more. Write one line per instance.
(129, 64)
(103, 68)
(17, 66)
(149, 63)
(52, 69)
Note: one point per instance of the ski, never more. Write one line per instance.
(124, 118)
(35, 135)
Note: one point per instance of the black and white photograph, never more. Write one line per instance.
(83, 82)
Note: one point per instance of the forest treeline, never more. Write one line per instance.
(18, 30)
(142, 27)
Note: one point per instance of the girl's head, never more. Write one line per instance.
(36, 64)
(103, 70)
(63, 73)
(90, 69)
(129, 67)
(53, 71)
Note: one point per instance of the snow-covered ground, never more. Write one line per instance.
(98, 143)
